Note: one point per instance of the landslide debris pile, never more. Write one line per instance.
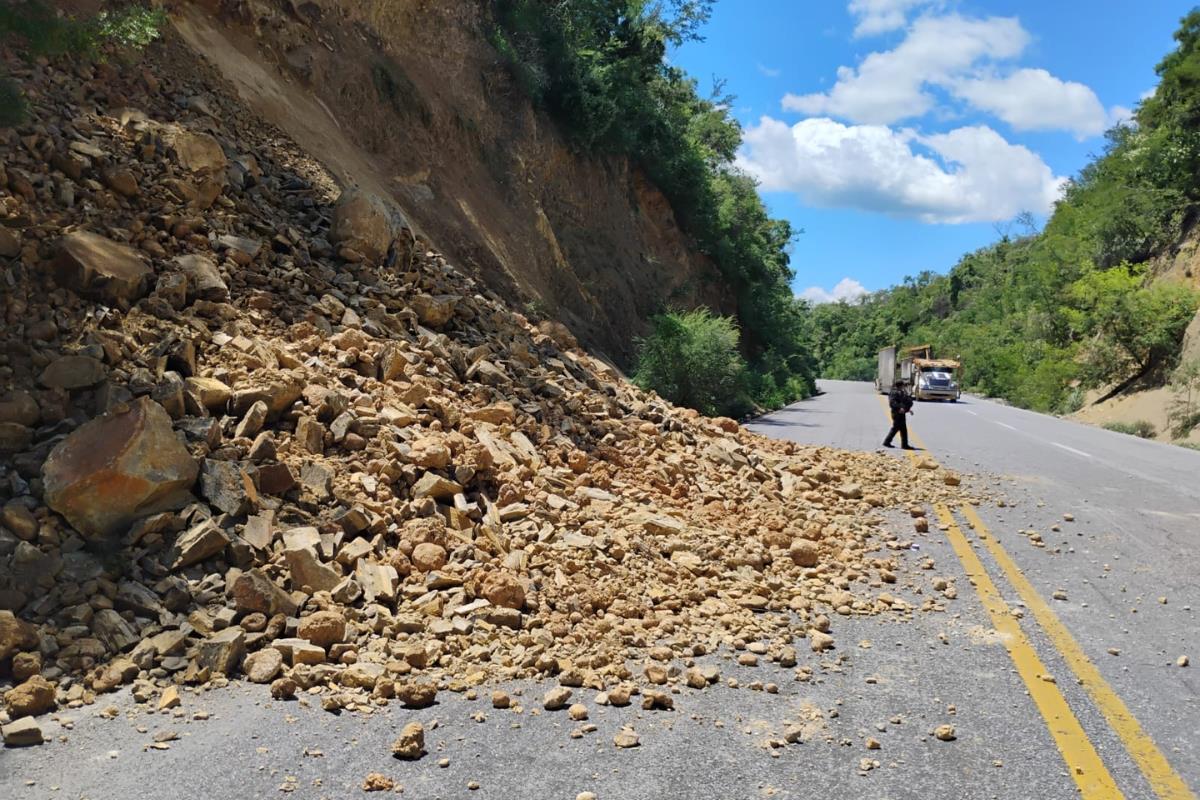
(252, 426)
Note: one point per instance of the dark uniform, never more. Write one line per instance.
(900, 403)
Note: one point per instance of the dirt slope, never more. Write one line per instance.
(407, 98)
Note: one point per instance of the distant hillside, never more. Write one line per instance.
(1095, 305)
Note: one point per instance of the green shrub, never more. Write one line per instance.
(1141, 428)
(13, 110)
(691, 358)
(36, 29)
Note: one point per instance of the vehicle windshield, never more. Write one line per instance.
(937, 378)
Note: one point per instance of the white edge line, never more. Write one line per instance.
(1072, 450)
(1006, 425)
(969, 411)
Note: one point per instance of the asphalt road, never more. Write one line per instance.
(1137, 510)
(1128, 565)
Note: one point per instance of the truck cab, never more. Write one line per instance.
(936, 383)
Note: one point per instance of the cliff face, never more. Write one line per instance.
(407, 99)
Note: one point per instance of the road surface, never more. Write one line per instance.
(1128, 565)
(1136, 508)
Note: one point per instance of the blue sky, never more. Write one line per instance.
(901, 134)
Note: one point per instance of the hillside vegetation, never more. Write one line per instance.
(1038, 319)
(599, 68)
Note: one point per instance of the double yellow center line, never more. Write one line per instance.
(1087, 769)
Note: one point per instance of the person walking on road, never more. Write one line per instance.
(900, 402)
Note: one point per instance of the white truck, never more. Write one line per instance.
(929, 378)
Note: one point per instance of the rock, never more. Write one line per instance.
(950, 479)
(411, 743)
(283, 689)
(619, 696)
(363, 223)
(223, 651)
(434, 311)
(324, 628)
(556, 698)
(226, 486)
(195, 151)
(578, 712)
(199, 543)
(378, 581)
(72, 372)
(263, 666)
(819, 641)
(20, 520)
(501, 699)
(99, 268)
(626, 738)
(307, 569)
(944, 733)
(113, 630)
(433, 485)
(417, 695)
(378, 782)
(655, 699)
(428, 556)
(211, 393)
(121, 180)
(24, 732)
(850, 491)
(252, 423)
(34, 696)
(804, 552)
(253, 591)
(118, 468)
(26, 665)
(497, 414)
(502, 588)
(1182, 661)
(10, 243)
(115, 675)
(21, 408)
(14, 437)
(204, 281)
(169, 699)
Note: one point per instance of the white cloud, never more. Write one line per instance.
(891, 85)
(880, 16)
(770, 72)
(1120, 115)
(969, 174)
(1035, 100)
(847, 289)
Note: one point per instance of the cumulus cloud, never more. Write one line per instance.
(969, 174)
(1035, 100)
(847, 289)
(881, 16)
(892, 85)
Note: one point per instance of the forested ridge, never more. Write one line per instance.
(1041, 317)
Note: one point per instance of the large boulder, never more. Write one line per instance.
(118, 468)
(96, 267)
(197, 152)
(364, 223)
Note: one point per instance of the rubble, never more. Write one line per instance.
(241, 439)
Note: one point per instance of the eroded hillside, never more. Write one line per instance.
(408, 100)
